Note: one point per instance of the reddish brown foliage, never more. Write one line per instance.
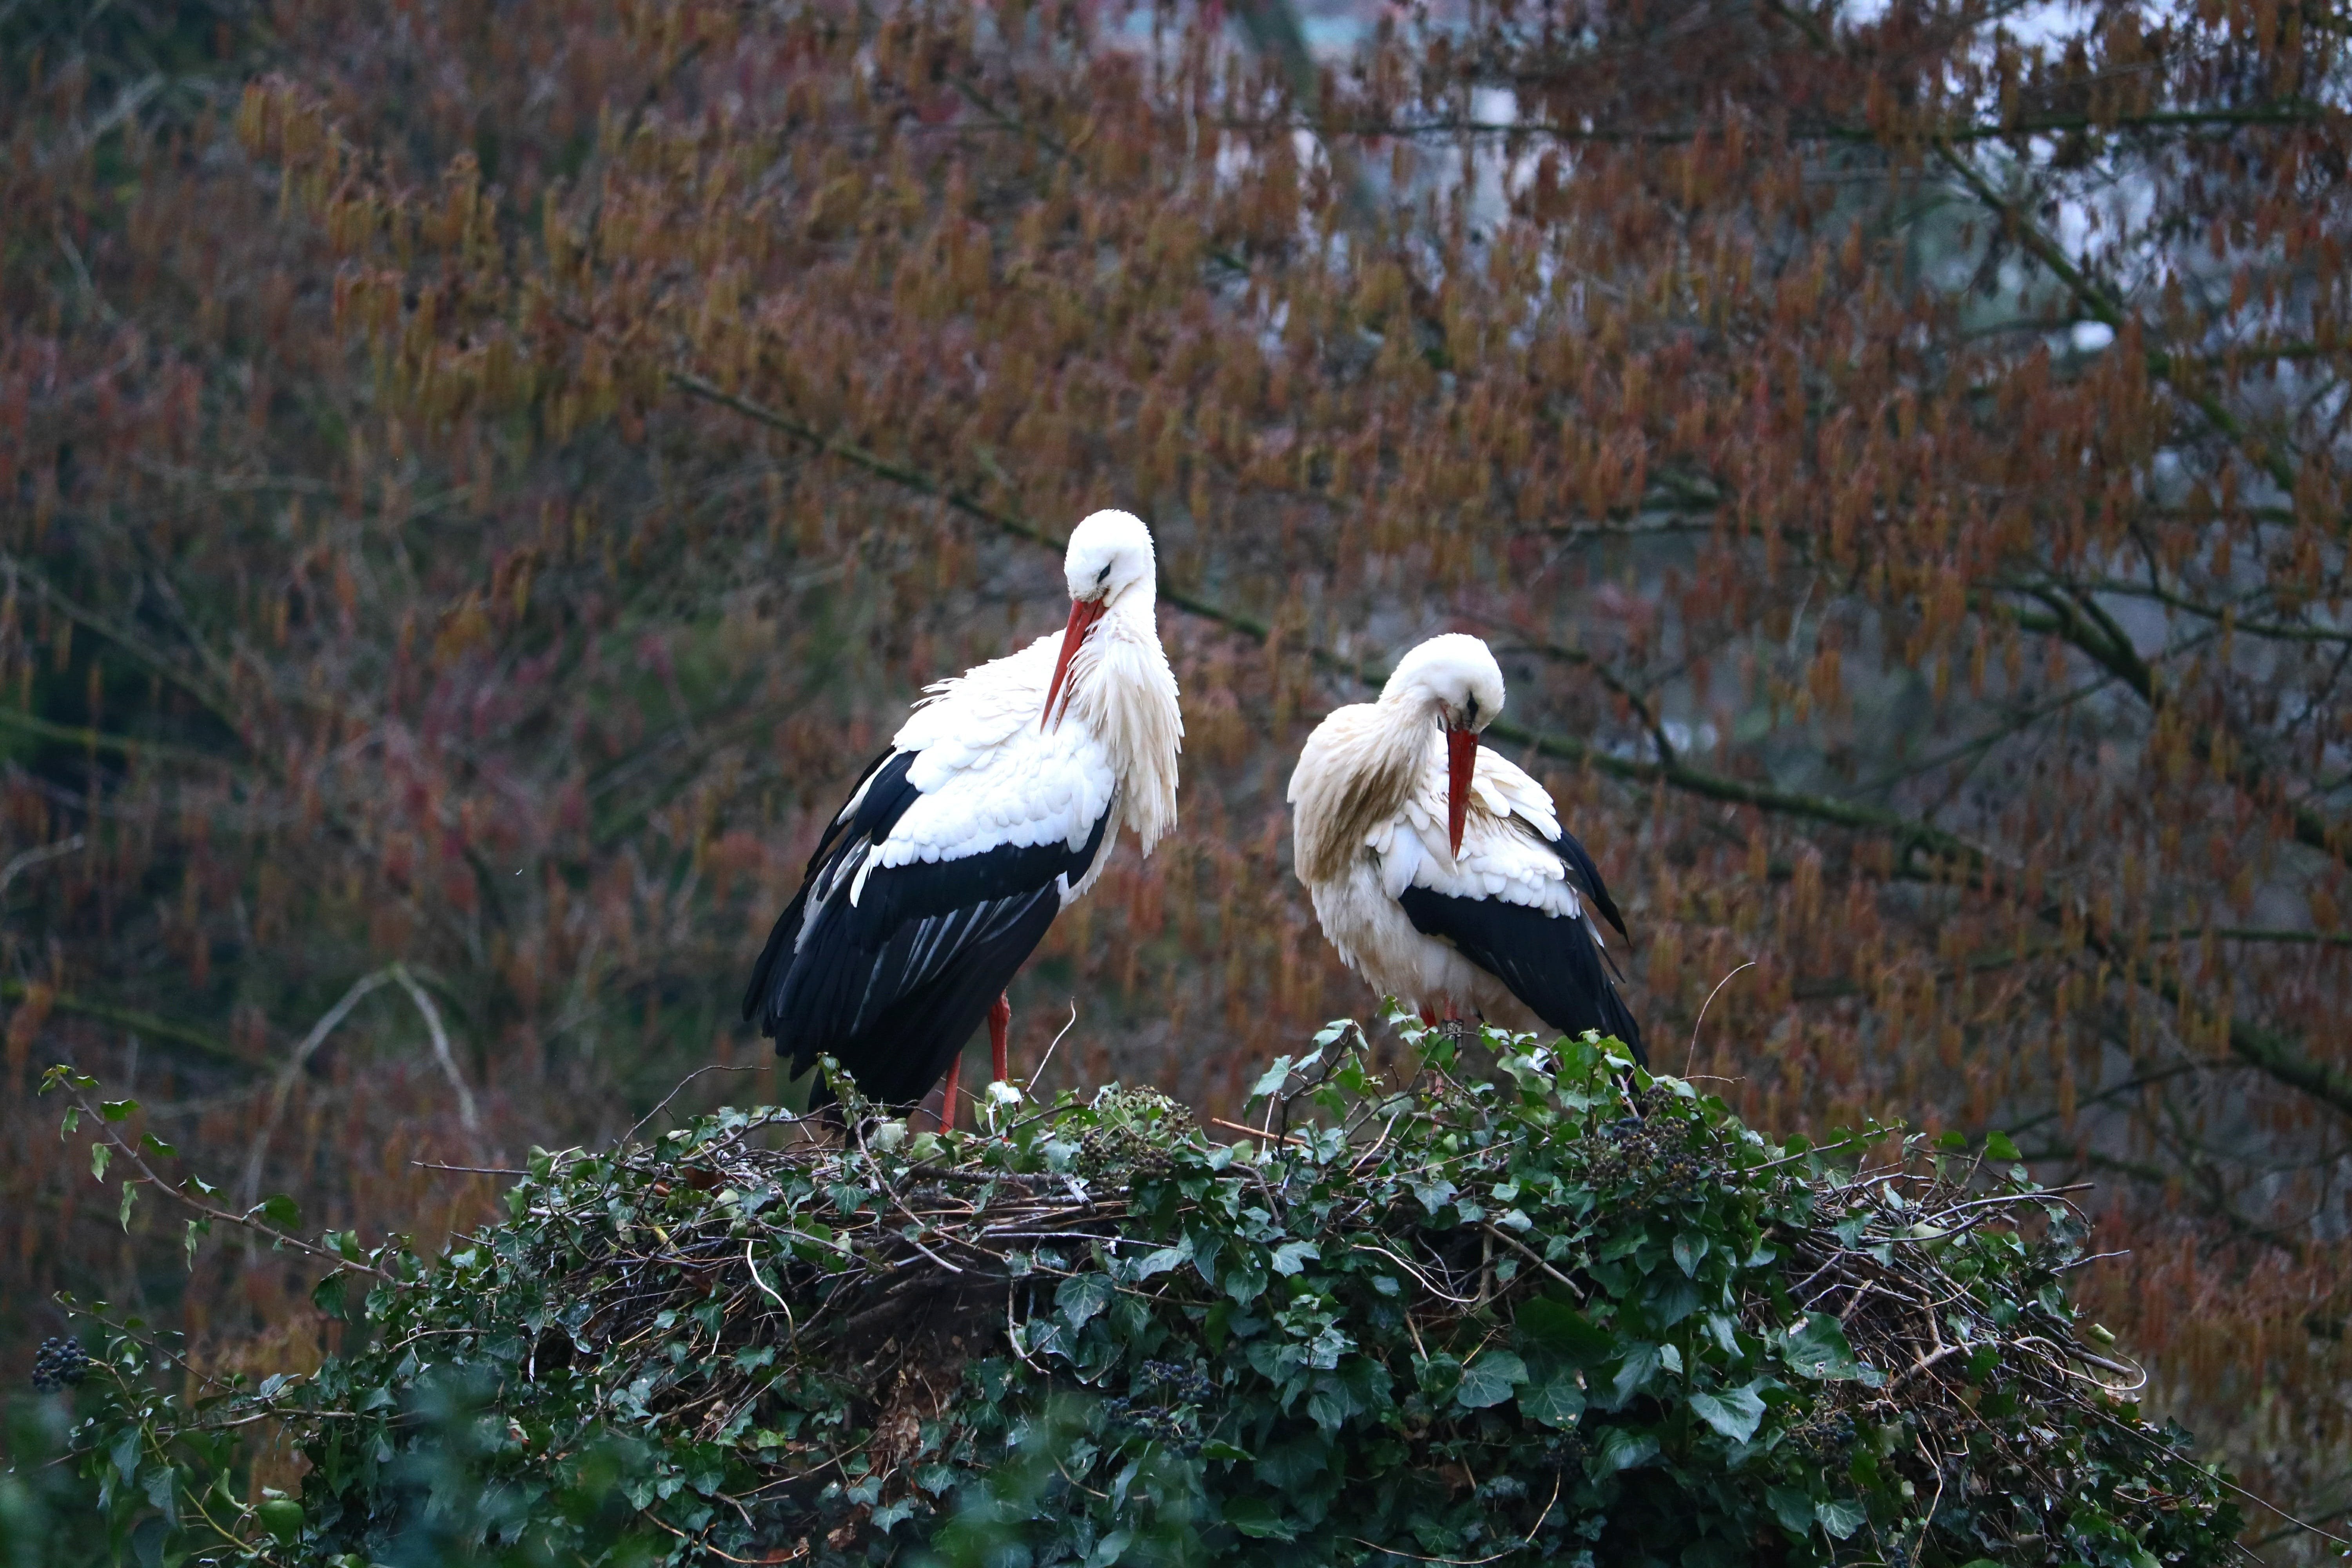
(479, 482)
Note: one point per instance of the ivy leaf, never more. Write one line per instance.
(1270, 1082)
(1258, 1517)
(1690, 1247)
(1733, 1413)
(100, 1153)
(1641, 1365)
(117, 1110)
(130, 1196)
(1292, 1256)
(1164, 1260)
(1081, 1297)
(1565, 1331)
(280, 1211)
(1841, 1517)
(1489, 1380)
(1621, 1450)
(1556, 1402)
(1793, 1509)
(282, 1517)
(1817, 1348)
(1999, 1147)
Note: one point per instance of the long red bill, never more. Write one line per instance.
(1461, 763)
(1084, 614)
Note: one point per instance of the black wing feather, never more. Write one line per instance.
(892, 987)
(1551, 963)
(1580, 869)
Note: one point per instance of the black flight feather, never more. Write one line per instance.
(1552, 962)
(892, 987)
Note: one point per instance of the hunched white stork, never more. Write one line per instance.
(996, 805)
(1439, 870)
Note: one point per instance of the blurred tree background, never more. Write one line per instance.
(477, 481)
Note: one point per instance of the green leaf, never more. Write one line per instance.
(1556, 1402)
(1244, 1283)
(1999, 1147)
(99, 1154)
(154, 1146)
(196, 1228)
(1621, 1450)
(1258, 1517)
(1817, 1348)
(328, 1294)
(1292, 1256)
(1081, 1297)
(1841, 1519)
(1562, 1329)
(1489, 1380)
(1640, 1366)
(1690, 1247)
(1163, 1260)
(1735, 1413)
(280, 1211)
(282, 1517)
(1270, 1082)
(1218, 1449)
(1439, 1375)
(130, 1196)
(117, 1110)
(1793, 1508)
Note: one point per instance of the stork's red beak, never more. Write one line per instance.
(1084, 614)
(1461, 763)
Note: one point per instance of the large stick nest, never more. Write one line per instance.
(1567, 1310)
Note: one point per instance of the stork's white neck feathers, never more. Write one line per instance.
(1122, 691)
(1356, 770)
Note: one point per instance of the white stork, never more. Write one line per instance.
(997, 805)
(1439, 870)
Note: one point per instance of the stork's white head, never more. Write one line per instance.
(1455, 675)
(1108, 562)
(1109, 554)
(1455, 678)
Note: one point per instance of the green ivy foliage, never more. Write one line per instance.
(1533, 1305)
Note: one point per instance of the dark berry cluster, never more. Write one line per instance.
(1157, 1405)
(1824, 1435)
(61, 1363)
(1655, 1152)
(1136, 1126)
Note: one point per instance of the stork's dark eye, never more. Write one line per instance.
(1473, 708)
(1103, 576)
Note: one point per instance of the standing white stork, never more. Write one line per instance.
(996, 805)
(1439, 870)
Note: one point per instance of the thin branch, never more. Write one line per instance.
(26, 859)
(147, 1025)
(441, 1052)
(249, 1189)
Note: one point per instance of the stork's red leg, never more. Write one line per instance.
(948, 1100)
(1000, 1026)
